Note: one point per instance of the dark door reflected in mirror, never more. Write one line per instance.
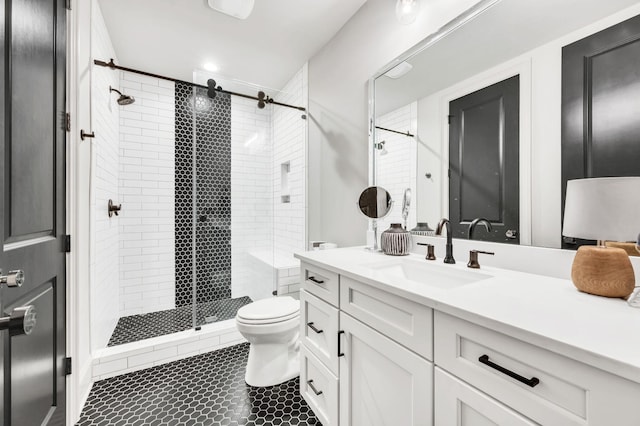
(484, 162)
(600, 107)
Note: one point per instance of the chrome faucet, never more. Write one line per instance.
(476, 221)
(448, 258)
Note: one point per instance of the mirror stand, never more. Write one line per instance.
(374, 228)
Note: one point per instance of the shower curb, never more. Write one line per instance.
(122, 359)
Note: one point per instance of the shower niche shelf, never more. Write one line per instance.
(285, 169)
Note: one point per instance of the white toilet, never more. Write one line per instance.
(272, 327)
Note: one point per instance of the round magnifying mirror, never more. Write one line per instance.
(375, 202)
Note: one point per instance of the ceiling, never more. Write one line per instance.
(176, 37)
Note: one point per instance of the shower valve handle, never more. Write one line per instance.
(113, 209)
(84, 134)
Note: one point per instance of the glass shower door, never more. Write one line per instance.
(232, 215)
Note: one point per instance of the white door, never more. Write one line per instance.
(458, 404)
(381, 382)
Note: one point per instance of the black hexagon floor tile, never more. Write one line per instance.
(207, 389)
(144, 326)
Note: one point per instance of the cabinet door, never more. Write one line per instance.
(458, 404)
(381, 382)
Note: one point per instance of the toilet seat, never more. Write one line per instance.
(269, 311)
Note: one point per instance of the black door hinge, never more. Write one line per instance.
(67, 122)
(68, 5)
(67, 243)
(449, 117)
(449, 173)
(67, 366)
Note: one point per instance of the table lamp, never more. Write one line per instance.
(603, 209)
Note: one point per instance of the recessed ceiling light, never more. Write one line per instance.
(407, 11)
(210, 67)
(240, 9)
(399, 70)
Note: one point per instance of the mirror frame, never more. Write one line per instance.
(523, 68)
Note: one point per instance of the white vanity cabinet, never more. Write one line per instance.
(372, 357)
(379, 380)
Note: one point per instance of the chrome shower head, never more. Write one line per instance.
(122, 99)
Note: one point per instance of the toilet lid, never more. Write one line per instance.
(273, 309)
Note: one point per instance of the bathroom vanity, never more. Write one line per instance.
(404, 341)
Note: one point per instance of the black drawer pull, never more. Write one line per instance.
(313, 388)
(315, 280)
(339, 350)
(311, 326)
(529, 382)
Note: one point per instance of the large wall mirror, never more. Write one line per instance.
(472, 119)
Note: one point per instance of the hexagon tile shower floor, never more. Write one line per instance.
(207, 389)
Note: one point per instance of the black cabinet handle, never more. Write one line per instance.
(317, 281)
(311, 326)
(313, 388)
(484, 359)
(339, 350)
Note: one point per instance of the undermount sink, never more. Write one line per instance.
(441, 276)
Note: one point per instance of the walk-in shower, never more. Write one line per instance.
(206, 223)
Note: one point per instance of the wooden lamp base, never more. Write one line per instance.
(603, 271)
(631, 248)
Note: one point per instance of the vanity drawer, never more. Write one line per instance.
(403, 320)
(319, 329)
(567, 392)
(320, 282)
(458, 404)
(319, 387)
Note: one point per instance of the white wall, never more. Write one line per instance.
(147, 193)
(396, 170)
(78, 218)
(104, 177)
(338, 96)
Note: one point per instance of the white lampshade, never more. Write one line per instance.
(603, 209)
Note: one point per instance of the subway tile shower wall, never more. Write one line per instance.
(289, 131)
(251, 198)
(146, 191)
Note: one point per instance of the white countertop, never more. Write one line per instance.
(547, 312)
